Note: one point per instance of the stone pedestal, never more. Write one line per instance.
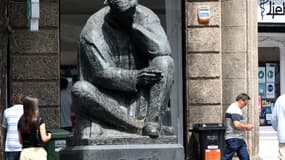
(124, 148)
(124, 152)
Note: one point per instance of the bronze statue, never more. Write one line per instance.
(126, 69)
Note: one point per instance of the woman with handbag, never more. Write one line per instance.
(32, 131)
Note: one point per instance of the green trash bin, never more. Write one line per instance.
(57, 143)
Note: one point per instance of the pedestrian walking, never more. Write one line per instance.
(235, 129)
(32, 131)
(278, 124)
(9, 126)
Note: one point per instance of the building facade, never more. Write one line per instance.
(222, 62)
(214, 62)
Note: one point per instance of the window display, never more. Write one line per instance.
(269, 84)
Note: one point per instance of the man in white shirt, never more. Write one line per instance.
(10, 120)
(235, 129)
(278, 124)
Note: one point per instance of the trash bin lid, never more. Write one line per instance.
(59, 133)
(208, 126)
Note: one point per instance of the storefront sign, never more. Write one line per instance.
(33, 14)
(271, 11)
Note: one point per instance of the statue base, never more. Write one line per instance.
(124, 152)
(72, 141)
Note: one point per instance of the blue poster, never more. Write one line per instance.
(270, 90)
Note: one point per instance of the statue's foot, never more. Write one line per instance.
(167, 131)
(151, 130)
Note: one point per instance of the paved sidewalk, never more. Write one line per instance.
(268, 143)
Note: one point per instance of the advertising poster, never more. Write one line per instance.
(270, 74)
(270, 90)
(262, 90)
(261, 74)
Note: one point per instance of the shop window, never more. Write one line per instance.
(269, 82)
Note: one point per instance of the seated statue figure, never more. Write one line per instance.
(126, 69)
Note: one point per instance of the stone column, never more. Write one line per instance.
(203, 68)
(35, 57)
(3, 64)
(240, 60)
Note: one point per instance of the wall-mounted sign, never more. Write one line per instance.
(271, 11)
(203, 15)
(33, 14)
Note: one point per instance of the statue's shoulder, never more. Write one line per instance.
(98, 17)
(146, 15)
(93, 27)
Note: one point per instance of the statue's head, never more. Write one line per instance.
(121, 5)
(122, 11)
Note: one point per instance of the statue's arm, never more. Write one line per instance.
(99, 69)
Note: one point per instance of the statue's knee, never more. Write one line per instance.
(163, 62)
(81, 87)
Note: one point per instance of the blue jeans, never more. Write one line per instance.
(235, 145)
(12, 155)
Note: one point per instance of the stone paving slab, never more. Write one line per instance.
(268, 143)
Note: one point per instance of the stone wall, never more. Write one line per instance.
(204, 64)
(204, 81)
(34, 57)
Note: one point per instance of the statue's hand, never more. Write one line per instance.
(148, 76)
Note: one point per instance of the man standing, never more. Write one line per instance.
(10, 130)
(65, 104)
(235, 129)
(278, 123)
